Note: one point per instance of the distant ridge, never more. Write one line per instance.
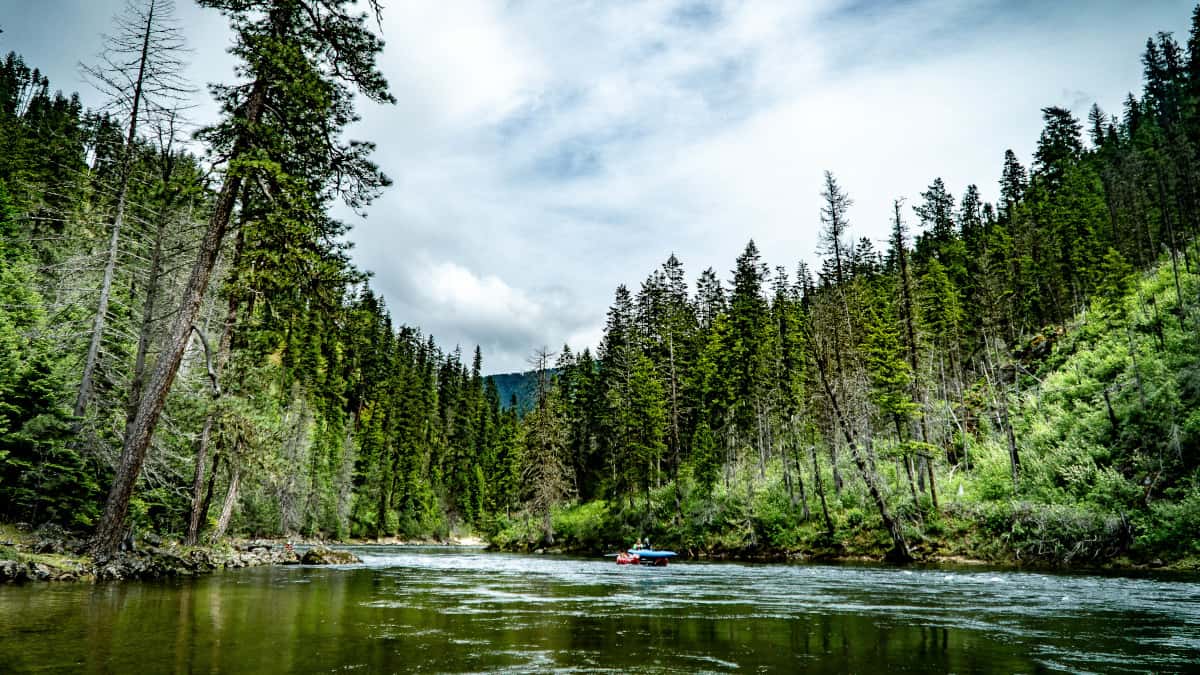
(522, 385)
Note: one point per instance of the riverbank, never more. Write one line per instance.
(49, 553)
(920, 559)
(1017, 536)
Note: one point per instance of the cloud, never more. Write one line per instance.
(544, 152)
(458, 301)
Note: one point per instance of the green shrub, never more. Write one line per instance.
(1173, 526)
(582, 526)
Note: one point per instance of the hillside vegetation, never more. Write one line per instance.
(1106, 415)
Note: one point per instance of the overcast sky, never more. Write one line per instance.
(545, 151)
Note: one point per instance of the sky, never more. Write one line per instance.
(545, 151)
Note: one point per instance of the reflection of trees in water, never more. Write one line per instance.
(481, 612)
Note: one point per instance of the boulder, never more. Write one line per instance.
(11, 570)
(41, 572)
(327, 556)
(49, 545)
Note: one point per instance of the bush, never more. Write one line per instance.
(1055, 533)
(775, 520)
(582, 526)
(1173, 526)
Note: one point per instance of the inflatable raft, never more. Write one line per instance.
(641, 556)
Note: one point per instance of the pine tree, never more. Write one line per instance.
(544, 441)
(141, 75)
(1012, 186)
(1058, 147)
(936, 212)
(745, 348)
(303, 58)
(834, 223)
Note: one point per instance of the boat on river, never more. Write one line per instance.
(645, 556)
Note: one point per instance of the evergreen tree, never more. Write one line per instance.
(1012, 186)
(1058, 147)
(302, 58)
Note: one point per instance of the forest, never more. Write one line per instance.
(187, 349)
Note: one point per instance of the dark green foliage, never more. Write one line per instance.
(42, 477)
(515, 390)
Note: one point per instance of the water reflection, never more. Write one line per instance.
(467, 611)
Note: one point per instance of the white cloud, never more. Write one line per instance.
(458, 291)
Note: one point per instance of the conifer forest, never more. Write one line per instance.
(187, 348)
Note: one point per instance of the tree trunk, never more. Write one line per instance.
(899, 552)
(820, 484)
(1013, 456)
(235, 475)
(912, 481)
(137, 442)
(210, 491)
(93, 354)
(1173, 245)
(143, 346)
(198, 501)
(345, 482)
(932, 483)
(223, 354)
(805, 514)
(1001, 401)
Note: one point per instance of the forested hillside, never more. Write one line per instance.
(517, 390)
(184, 338)
(1015, 380)
(186, 348)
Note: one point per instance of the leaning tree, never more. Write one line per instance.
(301, 63)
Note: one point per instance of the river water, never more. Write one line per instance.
(464, 610)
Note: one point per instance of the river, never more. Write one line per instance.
(442, 609)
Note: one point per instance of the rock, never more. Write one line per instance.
(152, 539)
(199, 559)
(327, 556)
(41, 572)
(11, 570)
(50, 531)
(109, 571)
(54, 546)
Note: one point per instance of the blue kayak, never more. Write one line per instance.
(649, 554)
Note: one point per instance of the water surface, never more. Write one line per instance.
(464, 610)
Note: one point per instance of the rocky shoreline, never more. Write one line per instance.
(49, 554)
